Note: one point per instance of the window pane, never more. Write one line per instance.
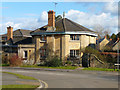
(77, 37)
(71, 53)
(25, 52)
(74, 53)
(71, 37)
(74, 37)
(77, 52)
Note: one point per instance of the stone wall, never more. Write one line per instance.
(30, 51)
(61, 45)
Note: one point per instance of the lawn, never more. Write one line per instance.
(99, 69)
(61, 67)
(19, 86)
(21, 76)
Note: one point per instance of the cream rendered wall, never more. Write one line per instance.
(117, 46)
(30, 51)
(103, 43)
(37, 48)
(57, 44)
(74, 44)
(61, 44)
(84, 41)
(51, 43)
(68, 44)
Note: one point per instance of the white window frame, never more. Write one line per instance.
(74, 37)
(25, 53)
(74, 52)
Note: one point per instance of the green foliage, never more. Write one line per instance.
(5, 59)
(58, 17)
(54, 62)
(5, 65)
(107, 48)
(108, 36)
(68, 62)
(99, 69)
(60, 67)
(90, 50)
(118, 35)
(114, 37)
(19, 86)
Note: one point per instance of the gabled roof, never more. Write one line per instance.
(21, 36)
(63, 25)
(110, 43)
(116, 42)
(41, 29)
(20, 32)
(100, 40)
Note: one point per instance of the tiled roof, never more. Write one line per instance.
(20, 32)
(68, 25)
(20, 36)
(64, 25)
(27, 40)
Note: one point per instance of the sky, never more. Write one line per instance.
(33, 15)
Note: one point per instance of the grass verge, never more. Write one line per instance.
(5, 65)
(21, 76)
(18, 86)
(61, 67)
(99, 69)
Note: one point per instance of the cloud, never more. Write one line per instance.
(43, 17)
(24, 23)
(111, 7)
(91, 20)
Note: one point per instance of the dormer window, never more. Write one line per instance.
(74, 37)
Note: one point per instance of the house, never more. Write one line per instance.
(105, 44)
(116, 45)
(18, 41)
(63, 38)
(101, 43)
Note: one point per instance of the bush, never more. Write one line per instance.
(15, 61)
(5, 59)
(68, 62)
(54, 62)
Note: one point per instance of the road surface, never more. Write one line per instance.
(83, 79)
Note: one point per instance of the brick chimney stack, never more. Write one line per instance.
(105, 37)
(51, 18)
(9, 32)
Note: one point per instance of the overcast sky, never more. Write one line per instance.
(32, 15)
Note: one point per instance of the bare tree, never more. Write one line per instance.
(102, 31)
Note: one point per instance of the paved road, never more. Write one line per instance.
(8, 79)
(84, 79)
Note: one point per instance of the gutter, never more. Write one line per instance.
(56, 33)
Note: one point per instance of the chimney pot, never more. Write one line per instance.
(51, 18)
(111, 39)
(105, 37)
(9, 32)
